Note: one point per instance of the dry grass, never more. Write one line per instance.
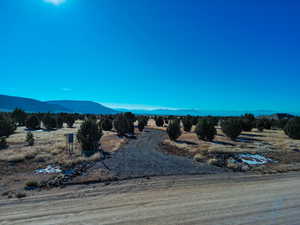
(50, 147)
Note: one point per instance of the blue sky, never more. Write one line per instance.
(210, 55)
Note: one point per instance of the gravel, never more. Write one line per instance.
(141, 157)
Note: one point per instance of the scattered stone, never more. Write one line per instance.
(20, 195)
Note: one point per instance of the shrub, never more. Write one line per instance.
(292, 128)
(141, 124)
(49, 122)
(7, 126)
(260, 125)
(159, 121)
(33, 122)
(174, 130)
(19, 116)
(3, 143)
(247, 125)
(205, 130)
(70, 120)
(59, 122)
(106, 124)
(213, 120)
(88, 136)
(267, 124)
(232, 128)
(187, 123)
(30, 138)
(121, 125)
(130, 119)
(32, 184)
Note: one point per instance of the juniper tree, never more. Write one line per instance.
(232, 128)
(292, 128)
(19, 116)
(205, 130)
(88, 136)
(174, 130)
(32, 122)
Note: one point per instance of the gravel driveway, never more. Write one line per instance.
(141, 157)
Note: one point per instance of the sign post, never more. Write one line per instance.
(70, 143)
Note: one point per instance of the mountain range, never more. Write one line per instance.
(9, 103)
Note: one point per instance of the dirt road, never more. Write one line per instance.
(215, 199)
(141, 157)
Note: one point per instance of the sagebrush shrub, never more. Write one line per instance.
(174, 130)
(232, 128)
(205, 130)
(292, 128)
(30, 138)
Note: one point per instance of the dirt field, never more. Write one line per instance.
(18, 161)
(270, 143)
(230, 199)
(150, 154)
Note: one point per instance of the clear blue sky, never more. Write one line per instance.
(210, 55)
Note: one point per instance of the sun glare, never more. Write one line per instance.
(55, 2)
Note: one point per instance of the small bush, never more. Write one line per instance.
(187, 123)
(3, 143)
(121, 125)
(159, 121)
(33, 123)
(174, 130)
(106, 124)
(7, 126)
(292, 128)
(32, 184)
(205, 130)
(30, 138)
(88, 136)
(232, 128)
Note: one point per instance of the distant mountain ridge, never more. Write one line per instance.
(9, 103)
(84, 107)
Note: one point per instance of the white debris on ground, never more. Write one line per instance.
(49, 169)
(254, 159)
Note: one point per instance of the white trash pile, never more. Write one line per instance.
(254, 159)
(49, 169)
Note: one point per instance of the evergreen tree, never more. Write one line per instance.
(174, 130)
